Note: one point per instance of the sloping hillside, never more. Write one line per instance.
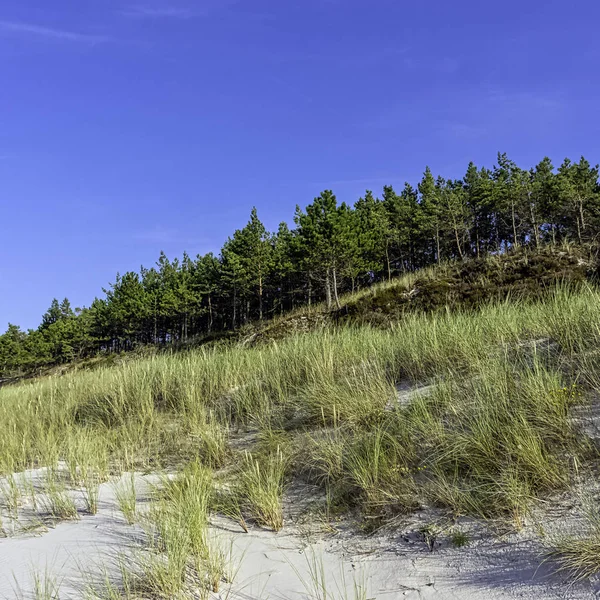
(526, 273)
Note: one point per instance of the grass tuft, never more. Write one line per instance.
(261, 488)
(126, 497)
(579, 554)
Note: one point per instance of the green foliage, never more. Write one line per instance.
(333, 249)
(579, 554)
(459, 538)
(521, 274)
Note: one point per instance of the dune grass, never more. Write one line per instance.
(57, 500)
(579, 553)
(126, 497)
(491, 430)
(182, 554)
(261, 485)
(321, 585)
(45, 586)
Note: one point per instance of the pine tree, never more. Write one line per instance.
(374, 235)
(510, 196)
(580, 195)
(478, 187)
(284, 263)
(431, 223)
(52, 315)
(324, 234)
(547, 199)
(454, 211)
(250, 253)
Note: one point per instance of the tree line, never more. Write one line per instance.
(332, 248)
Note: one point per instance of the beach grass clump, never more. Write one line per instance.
(369, 469)
(46, 585)
(261, 487)
(91, 492)
(484, 444)
(11, 494)
(126, 497)
(321, 584)
(56, 499)
(579, 554)
(495, 441)
(182, 554)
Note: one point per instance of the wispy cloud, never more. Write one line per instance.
(157, 12)
(462, 130)
(361, 180)
(167, 10)
(31, 29)
(356, 59)
(165, 237)
(548, 102)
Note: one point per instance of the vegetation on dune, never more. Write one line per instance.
(468, 408)
(579, 553)
(334, 249)
(518, 275)
(491, 432)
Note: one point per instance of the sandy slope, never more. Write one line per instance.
(397, 565)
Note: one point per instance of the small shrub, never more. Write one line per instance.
(459, 539)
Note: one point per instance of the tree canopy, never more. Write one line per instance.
(333, 248)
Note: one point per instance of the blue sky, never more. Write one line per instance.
(127, 128)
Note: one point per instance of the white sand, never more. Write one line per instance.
(397, 565)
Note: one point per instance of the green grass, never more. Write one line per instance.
(126, 497)
(261, 485)
(11, 495)
(91, 488)
(321, 585)
(492, 433)
(57, 500)
(181, 554)
(459, 538)
(579, 553)
(45, 586)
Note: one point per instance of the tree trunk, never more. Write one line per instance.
(534, 226)
(328, 289)
(437, 243)
(260, 298)
(335, 289)
(155, 339)
(498, 242)
(581, 217)
(460, 252)
(210, 314)
(514, 224)
(387, 260)
(234, 308)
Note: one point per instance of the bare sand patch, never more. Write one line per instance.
(397, 563)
